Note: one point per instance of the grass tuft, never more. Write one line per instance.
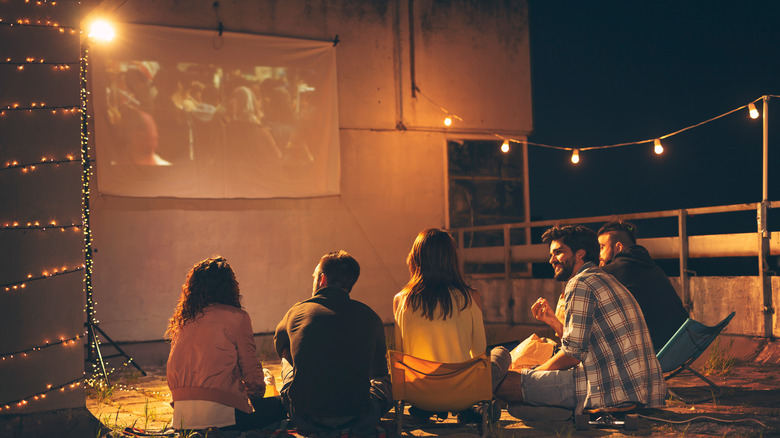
(720, 362)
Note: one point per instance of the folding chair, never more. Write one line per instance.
(437, 386)
(687, 344)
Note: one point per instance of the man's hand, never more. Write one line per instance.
(543, 312)
(560, 361)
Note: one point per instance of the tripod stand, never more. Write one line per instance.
(94, 355)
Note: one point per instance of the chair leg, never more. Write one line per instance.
(706, 380)
(399, 417)
(486, 408)
(717, 390)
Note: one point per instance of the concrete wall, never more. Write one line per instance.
(470, 57)
(508, 303)
(37, 310)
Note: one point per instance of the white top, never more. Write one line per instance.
(202, 414)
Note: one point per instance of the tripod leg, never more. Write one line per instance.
(113, 344)
(96, 344)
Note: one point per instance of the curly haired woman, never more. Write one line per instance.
(214, 374)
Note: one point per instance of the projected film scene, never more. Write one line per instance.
(217, 126)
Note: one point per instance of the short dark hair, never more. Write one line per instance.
(340, 268)
(623, 231)
(576, 237)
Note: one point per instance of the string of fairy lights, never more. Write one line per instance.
(21, 66)
(658, 147)
(23, 354)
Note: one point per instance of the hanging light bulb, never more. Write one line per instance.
(505, 146)
(448, 121)
(575, 156)
(753, 110)
(101, 30)
(657, 147)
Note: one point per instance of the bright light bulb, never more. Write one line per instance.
(505, 146)
(657, 147)
(753, 110)
(101, 30)
(448, 121)
(575, 156)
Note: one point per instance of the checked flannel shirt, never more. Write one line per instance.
(605, 330)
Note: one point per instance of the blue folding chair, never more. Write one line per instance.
(687, 344)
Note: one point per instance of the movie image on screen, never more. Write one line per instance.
(177, 115)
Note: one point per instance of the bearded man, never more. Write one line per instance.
(606, 357)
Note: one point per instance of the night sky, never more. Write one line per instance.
(607, 72)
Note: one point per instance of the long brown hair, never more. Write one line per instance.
(210, 281)
(435, 272)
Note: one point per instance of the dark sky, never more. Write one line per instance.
(606, 72)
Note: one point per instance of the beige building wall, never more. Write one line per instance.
(469, 57)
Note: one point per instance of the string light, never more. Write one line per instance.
(40, 106)
(657, 147)
(22, 402)
(20, 65)
(10, 287)
(753, 111)
(24, 353)
(37, 225)
(505, 146)
(28, 167)
(40, 23)
(575, 152)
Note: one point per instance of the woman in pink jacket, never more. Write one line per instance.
(214, 374)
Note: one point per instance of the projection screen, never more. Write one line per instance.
(189, 114)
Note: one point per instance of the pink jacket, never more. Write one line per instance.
(214, 358)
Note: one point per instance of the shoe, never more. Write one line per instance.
(473, 415)
(423, 416)
(538, 413)
(420, 415)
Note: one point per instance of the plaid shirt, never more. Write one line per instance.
(605, 330)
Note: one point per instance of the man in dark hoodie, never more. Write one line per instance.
(632, 265)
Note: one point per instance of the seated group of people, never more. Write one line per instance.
(334, 354)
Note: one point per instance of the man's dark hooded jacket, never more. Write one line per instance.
(662, 307)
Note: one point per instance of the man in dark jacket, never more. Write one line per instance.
(333, 351)
(632, 265)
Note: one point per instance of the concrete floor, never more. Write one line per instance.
(750, 398)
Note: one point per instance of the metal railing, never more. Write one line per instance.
(761, 244)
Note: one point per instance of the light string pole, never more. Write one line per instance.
(763, 232)
(94, 355)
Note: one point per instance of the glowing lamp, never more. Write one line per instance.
(575, 156)
(448, 121)
(101, 30)
(505, 146)
(753, 110)
(657, 147)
